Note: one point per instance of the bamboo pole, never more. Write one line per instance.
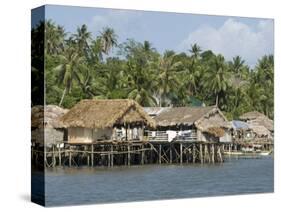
(193, 153)
(159, 153)
(171, 154)
(129, 155)
(201, 154)
(59, 155)
(213, 153)
(112, 154)
(142, 154)
(69, 159)
(53, 156)
(180, 153)
(92, 155)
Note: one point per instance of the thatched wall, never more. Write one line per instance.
(46, 127)
(86, 135)
(48, 136)
(47, 117)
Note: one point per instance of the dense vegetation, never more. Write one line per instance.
(79, 66)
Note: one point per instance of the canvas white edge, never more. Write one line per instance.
(15, 106)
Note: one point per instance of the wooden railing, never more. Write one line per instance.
(155, 136)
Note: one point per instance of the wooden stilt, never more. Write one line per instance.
(159, 154)
(193, 153)
(129, 155)
(88, 157)
(171, 154)
(180, 153)
(112, 155)
(142, 154)
(59, 156)
(54, 156)
(201, 154)
(213, 153)
(69, 159)
(151, 154)
(92, 155)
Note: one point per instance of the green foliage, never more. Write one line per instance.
(79, 66)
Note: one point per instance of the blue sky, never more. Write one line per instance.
(249, 37)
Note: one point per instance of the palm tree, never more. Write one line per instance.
(54, 38)
(82, 37)
(217, 77)
(167, 75)
(68, 70)
(195, 50)
(108, 39)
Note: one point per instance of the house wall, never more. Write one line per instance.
(227, 137)
(201, 136)
(86, 135)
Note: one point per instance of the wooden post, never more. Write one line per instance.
(151, 153)
(112, 154)
(194, 153)
(219, 154)
(187, 154)
(129, 155)
(213, 153)
(180, 153)
(92, 155)
(142, 154)
(171, 154)
(45, 156)
(59, 156)
(160, 151)
(69, 159)
(201, 154)
(54, 157)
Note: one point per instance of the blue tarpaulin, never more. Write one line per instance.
(239, 125)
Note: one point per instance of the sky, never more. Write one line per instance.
(251, 38)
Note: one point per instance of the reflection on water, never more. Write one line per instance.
(69, 186)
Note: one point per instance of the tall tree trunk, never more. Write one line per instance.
(217, 100)
(62, 97)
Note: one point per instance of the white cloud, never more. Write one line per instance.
(234, 38)
(125, 23)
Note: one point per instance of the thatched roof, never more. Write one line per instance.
(258, 119)
(48, 117)
(251, 115)
(106, 113)
(260, 130)
(202, 117)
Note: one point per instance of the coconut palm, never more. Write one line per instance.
(82, 37)
(167, 75)
(68, 70)
(54, 38)
(108, 39)
(217, 77)
(195, 50)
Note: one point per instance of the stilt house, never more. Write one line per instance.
(190, 124)
(92, 121)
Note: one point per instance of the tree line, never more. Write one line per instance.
(80, 66)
